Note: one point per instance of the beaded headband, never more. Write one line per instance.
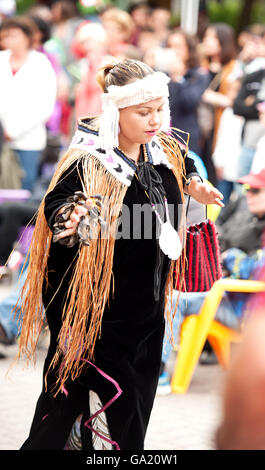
(140, 91)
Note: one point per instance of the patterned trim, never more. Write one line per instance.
(115, 161)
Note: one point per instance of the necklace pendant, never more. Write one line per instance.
(169, 240)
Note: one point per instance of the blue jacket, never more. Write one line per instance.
(184, 98)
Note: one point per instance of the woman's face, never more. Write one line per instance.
(140, 123)
(256, 202)
(14, 39)
(211, 44)
(115, 34)
(177, 42)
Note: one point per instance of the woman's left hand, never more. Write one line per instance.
(204, 193)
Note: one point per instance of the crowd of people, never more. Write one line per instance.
(216, 80)
(49, 59)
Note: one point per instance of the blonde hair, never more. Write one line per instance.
(115, 72)
(122, 19)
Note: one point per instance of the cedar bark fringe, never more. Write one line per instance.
(89, 288)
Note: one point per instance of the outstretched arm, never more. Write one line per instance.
(203, 192)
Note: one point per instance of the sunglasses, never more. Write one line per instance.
(253, 190)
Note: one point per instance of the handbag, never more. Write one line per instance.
(11, 173)
(203, 258)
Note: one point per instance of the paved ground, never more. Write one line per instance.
(178, 422)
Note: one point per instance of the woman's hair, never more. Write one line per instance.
(43, 26)
(121, 72)
(67, 9)
(226, 37)
(192, 45)
(122, 19)
(24, 23)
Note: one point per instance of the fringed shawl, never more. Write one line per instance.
(90, 286)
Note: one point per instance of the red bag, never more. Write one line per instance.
(203, 261)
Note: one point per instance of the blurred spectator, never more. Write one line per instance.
(188, 82)
(251, 56)
(89, 45)
(251, 94)
(140, 12)
(27, 95)
(147, 41)
(241, 230)
(160, 23)
(16, 214)
(41, 37)
(119, 27)
(65, 20)
(219, 54)
(228, 145)
(13, 217)
(247, 213)
(41, 11)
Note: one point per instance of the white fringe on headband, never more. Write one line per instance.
(151, 87)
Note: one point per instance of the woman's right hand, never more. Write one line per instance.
(72, 223)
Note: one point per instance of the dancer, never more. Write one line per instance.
(103, 293)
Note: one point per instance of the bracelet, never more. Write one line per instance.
(197, 178)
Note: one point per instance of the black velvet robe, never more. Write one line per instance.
(129, 349)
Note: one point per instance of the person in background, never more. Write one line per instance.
(140, 13)
(228, 145)
(147, 41)
(13, 217)
(218, 49)
(27, 94)
(241, 229)
(119, 27)
(160, 22)
(188, 83)
(250, 57)
(251, 94)
(90, 43)
(41, 37)
(65, 20)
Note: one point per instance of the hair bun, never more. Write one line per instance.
(104, 70)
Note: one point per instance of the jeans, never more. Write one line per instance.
(226, 188)
(8, 319)
(190, 304)
(246, 157)
(29, 161)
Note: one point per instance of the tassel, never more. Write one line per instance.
(109, 125)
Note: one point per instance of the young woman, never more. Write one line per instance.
(104, 294)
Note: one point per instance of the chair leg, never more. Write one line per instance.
(222, 348)
(191, 344)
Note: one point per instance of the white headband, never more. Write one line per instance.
(117, 97)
